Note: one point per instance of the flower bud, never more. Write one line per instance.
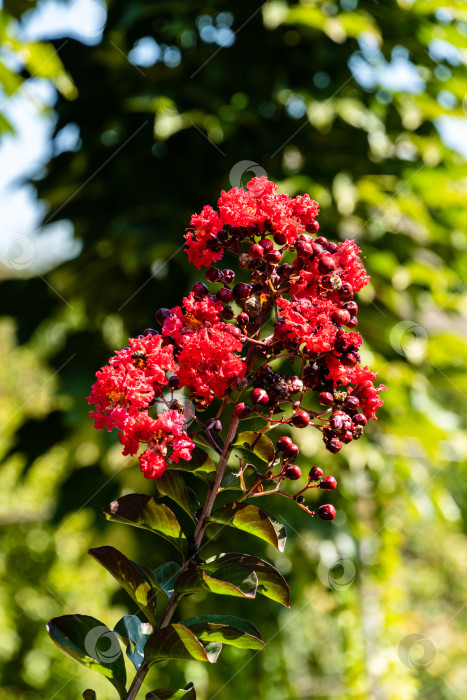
(242, 410)
(315, 473)
(293, 472)
(327, 512)
(328, 483)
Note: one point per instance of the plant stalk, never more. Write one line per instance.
(198, 535)
(224, 458)
(138, 681)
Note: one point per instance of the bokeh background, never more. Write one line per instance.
(116, 123)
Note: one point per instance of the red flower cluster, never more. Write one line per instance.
(125, 389)
(215, 344)
(260, 207)
(166, 431)
(205, 347)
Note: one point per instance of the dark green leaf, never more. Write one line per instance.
(200, 464)
(173, 694)
(163, 577)
(92, 644)
(201, 439)
(178, 642)
(231, 482)
(234, 580)
(271, 583)
(129, 577)
(135, 635)
(226, 629)
(89, 695)
(237, 622)
(145, 512)
(259, 444)
(171, 484)
(249, 518)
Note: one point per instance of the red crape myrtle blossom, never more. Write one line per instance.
(131, 380)
(208, 363)
(225, 343)
(205, 347)
(166, 431)
(124, 390)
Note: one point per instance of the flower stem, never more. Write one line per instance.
(198, 535)
(224, 458)
(137, 681)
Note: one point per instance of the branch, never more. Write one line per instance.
(224, 458)
(198, 535)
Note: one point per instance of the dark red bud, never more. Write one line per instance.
(293, 472)
(328, 483)
(346, 437)
(334, 445)
(304, 250)
(291, 452)
(266, 244)
(326, 264)
(212, 274)
(284, 442)
(326, 398)
(351, 307)
(242, 290)
(301, 419)
(162, 315)
(228, 276)
(285, 270)
(315, 473)
(242, 410)
(273, 257)
(359, 419)
(349, 359)
(351, 401)
(256, 251)
(312, 227)
(259, 397)
(280, 238)
(327, 512)
(341, 317)
(225, 295)
(346, 291)
(243, 319)
(199, 290)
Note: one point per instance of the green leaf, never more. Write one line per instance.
(178, 642)
(237, 622)
(171, 484)
(92, 644)
(271, 583)
(89, 695)
(200, 464)
(238, 581)
(145, 512)
(135, 634)
(173, 694)
(230, 482)
(201, 439)
(129, 577)
(226, 629)
(259, 444)
(249, 518)
(163, 577)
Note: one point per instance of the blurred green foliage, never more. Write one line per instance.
(157, 143)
